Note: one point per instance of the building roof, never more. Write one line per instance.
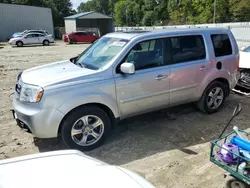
(88, 15)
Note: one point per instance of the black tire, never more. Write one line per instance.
(73, 41)
(202, 104)
(93, 40)
(19, 44)
(74, 116)
(231, 182)
(46, 43)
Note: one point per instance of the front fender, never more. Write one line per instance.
(76, 101)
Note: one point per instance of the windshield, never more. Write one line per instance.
(101, 52)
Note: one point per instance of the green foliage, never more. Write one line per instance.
(164, 12)
(239, 10)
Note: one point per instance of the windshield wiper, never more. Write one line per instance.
(85, 65)
(88, 66)
(79, 64)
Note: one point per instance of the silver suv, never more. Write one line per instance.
(122, 75)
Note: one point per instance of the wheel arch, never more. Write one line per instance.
(221, 79)
(19, 41)
(224, 81)
(99, 105)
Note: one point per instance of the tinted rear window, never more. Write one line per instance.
(222, 45)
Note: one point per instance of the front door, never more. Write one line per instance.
(188, 68)
(31, 39)
(148, 88)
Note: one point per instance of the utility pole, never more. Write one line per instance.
(215, 1)
(127, 16)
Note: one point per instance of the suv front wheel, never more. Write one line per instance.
(213, 97)
(85, 128)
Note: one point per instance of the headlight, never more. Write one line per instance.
(30, 93)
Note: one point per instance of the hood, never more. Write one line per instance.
(53, 73)
(244, 60)
(62, 169)
(16, 38)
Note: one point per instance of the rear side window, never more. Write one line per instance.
(222, 45)
(187, 48)
(82, 34)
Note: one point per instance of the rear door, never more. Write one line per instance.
(82, 37)
(90, 37)
(77, 36)
(225, 53)
(41, 38)
(189, 63)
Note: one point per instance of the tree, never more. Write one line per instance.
(121, 13)
(239, 10)
(5, 1)
(222, 11)
(60, 9)
(162, 12)
(177, 12)
(203, 11)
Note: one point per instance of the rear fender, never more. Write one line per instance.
(212, 76)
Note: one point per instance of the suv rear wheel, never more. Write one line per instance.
(46, 43)
(73, 41)
(213, 97)
(85, 128)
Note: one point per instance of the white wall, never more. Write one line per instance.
(17, 18)
(70, 26)
(241, 30)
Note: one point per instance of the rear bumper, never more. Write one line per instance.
(43, 123)
(235, 79)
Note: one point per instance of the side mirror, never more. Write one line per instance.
(73, 59)
(128, 68)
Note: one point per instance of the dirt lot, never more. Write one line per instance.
(169, 151)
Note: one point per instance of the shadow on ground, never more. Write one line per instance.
(174, 128)
(36, 45)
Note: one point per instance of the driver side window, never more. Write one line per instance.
(147, 54)
(30, 36)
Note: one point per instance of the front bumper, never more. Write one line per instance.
(43, 123)
(11, 42)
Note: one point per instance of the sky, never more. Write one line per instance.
(76, 3)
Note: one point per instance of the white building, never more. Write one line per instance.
(17, 18)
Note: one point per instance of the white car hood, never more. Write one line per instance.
(16, 38)
(54, 73)
(65, 170)
(244, 60)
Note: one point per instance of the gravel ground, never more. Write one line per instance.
(170, 147)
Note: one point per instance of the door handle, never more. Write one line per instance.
(161, 77)
(202, 68)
